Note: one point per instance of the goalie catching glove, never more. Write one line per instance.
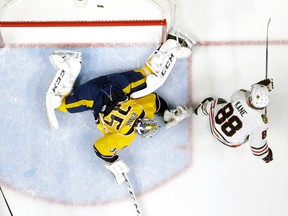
(118, 168)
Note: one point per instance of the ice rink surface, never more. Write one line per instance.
(182, 171)
(61, 165)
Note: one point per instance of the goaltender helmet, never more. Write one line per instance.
(146, 127)
(259, 96)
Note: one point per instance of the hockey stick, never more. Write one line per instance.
(266, 68)
(130, 189)
(6, 201)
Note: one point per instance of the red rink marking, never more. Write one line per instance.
(200, 43)
(242, 43)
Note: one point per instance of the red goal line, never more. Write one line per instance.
(242, 43)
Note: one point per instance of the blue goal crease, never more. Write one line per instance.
(61, 165)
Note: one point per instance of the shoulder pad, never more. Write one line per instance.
(264, 119)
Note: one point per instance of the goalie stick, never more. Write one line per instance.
(6, 201)
(130, 189)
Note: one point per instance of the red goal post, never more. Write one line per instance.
(85, 22)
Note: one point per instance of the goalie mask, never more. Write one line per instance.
(147, 127)
(259, 96)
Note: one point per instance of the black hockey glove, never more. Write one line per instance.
(268, 83)
(269, 157)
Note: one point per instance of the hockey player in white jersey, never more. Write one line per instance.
(242, 119)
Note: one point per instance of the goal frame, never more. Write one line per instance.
(68, 24)
(119, 21)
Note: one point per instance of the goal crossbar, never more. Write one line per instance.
(83, 23)
(62, 22)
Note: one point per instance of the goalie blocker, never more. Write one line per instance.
(68, 66)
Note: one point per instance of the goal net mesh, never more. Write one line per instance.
(84, 21)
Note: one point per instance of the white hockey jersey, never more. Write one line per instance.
(235, 123)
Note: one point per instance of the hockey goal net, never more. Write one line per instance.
(84, 21)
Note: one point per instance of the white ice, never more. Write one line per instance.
(200, 176)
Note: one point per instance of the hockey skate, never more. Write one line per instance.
(60, 57)
(174, 116)
(68, 65)
(183, 39)
(184, 43)
(68, 53)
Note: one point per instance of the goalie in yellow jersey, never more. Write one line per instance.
(128, 118)
(123, 104)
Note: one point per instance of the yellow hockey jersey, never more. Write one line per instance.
(118, 125)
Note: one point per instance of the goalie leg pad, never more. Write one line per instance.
(172, 46)
(168, 45)
(58, 62)
(52, 102)
(152, 83)
(161, 65)
(62, 83)
(75, 67)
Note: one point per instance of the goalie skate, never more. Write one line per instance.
(184, 43)
(173, 117)
(183, 39)
(60, 57)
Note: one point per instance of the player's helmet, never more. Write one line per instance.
(259, 96)
(147, 127)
